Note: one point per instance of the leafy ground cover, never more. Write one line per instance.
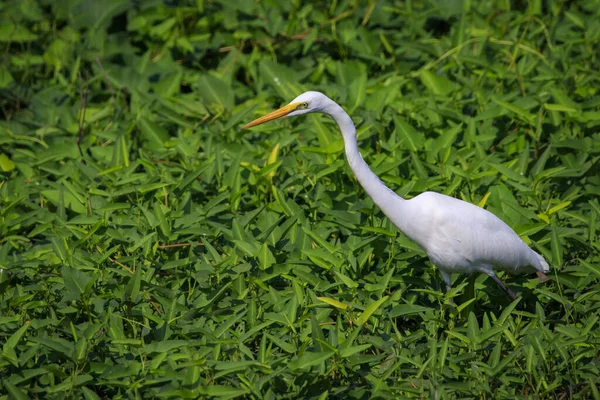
(150, 248)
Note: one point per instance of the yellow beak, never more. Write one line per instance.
(282, 112)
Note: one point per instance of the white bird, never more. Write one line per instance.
(457, 236)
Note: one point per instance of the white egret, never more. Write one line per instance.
(458, 237)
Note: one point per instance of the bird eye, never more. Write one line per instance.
(302, 106)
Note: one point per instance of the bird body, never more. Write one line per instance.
(457, 236)
(482, 242)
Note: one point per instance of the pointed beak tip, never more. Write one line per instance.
(249, 125)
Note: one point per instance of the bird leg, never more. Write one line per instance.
(543, 277)
(503, 286)
(447, 279)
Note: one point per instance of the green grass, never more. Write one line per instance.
(174, 255)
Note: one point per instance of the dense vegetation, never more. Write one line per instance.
(151, 248)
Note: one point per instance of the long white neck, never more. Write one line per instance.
(386, 199)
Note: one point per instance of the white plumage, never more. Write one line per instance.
(458, 237)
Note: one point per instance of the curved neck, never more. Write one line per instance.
(384, 197)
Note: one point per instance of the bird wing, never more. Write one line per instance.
(463, 237)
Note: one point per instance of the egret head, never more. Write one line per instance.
(307, 102)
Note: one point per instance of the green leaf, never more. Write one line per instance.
(223, 392)
(515, 176)
(473, 328)
(132, 290)
(346, 280)
(559, 107)
(77, 283)
(406, 309)
(594, 269)
(333, 302)
(155, 134)
(319, 240)
(12, 32)
(250, 248)
(280, 78)
(141, 242)
(350, 351)
(15, 392)
(162, 221)
(165, 346)
(215, 91)
(516, 110)
(310, 359)
(70, 201)
(353, 75)
(369, 310)
(265, 257)
(228, 323)
(557, 248)
(6, 163)
(412, 139)
(439, 85)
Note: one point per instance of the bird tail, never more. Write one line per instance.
(543, 265)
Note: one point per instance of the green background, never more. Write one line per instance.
(174, 255)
